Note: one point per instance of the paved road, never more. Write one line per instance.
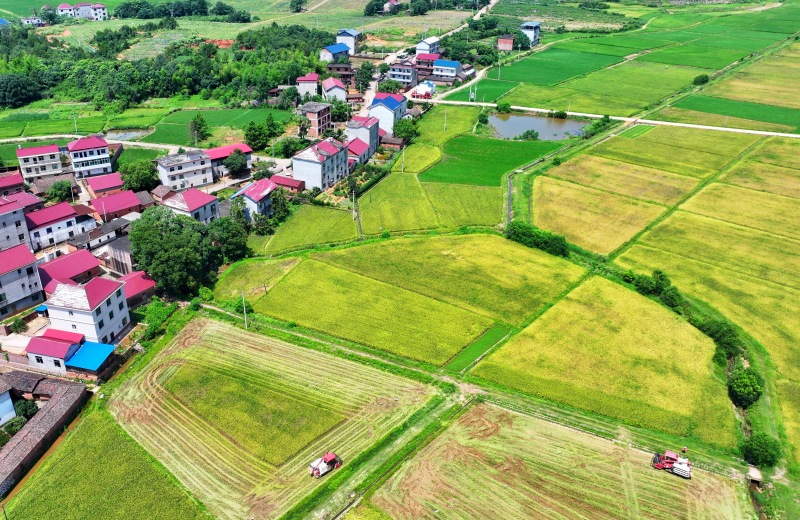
(624, 119)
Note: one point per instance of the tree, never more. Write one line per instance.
(340, 111)
(139, 175)
(59, 191)
(364, 76)
(297, 5)
(702, 79)
(256, 135)
(49, 15)
(288, 98)
(528, 235)
(279, 205)
(273, 128)
(262, 226)
(239, 212)
(263, 170)
(373, 7)
(406, 129)
(18, 326)
(199, 129)
(528, 135)
(383, 68)
(25, 408)
(14, 425)
(303, 125)
(762, 450)
(391, 86)
(504, 108)
(236, 162)
(419, 7)
(230, 237)
(17, 90)
(175, 250)
(745, 386)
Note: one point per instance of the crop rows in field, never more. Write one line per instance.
(313, 225)
(203, 445)
(493, 460)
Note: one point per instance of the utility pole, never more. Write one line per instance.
(354, 205)
(105, 216)
(75, 120)
(498, 66)
(519, 50)
(402, 165)
(445, 119)
(244, 308)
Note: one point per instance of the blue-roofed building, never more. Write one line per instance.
(91, 357)
(3, 22)
(334, 52)
(348, 37)
(388, 109)
(446, 68)
(531, 30)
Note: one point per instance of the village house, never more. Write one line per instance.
(344, 71)
(505, 42)
(97, 309)
(388, 109)
(11, 182)
(257, 197)
(219, 154)
(39, 161)
(334, 52)
(445, 71)
(13, 226)
(87, 11)
(366, 129)
(531, 30)
(7, 411)
(34, 21)
(185, 170)
(28, 201)
(405, 72)
(321, 165)
(139, 288)
(333, 88)
(59, 351)
(114, 206)
(307, 85)
(52, 225)
(348, 37)
(428, 46)
(73, 268)
(65, 10)
(391, 6)
(41, 185)
(20, 286)
(289, 184)
(424, 90)
(424, 63)
(319, 115)
(89, 156)
(162, 192)
(195, 204)
(103, 185)
(358, 151)
(106, 232)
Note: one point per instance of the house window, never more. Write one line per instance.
(119, 293)
(108, 302)
(111, 315)
(2, 297)
(49, 230)
(3, 311)
(121, 305)
(197, 215)
(97, 312)
(74, 327)
(105, 339)
(124, 321)
(18, 223)
(101, 324)
(35, 297)
(57, 363)
(39, 359)
(21, 237)
(71, 313)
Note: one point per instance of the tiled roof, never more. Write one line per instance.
(48, 347)
(43, 217)
(22, 381)
(87, 143)
(67, 266)
(63, 335)
(357, 146)
(359, 121)
(321, 151)
(65, 6)
(136, 283)
(116, 202)
(161, 190)
(223, 152)
(43, 184)
(311, 77)
(280, 180)
(332, 83)
(105, 182)
(15, 257)
(24, 199)
(189, 200)
(10, 179)
(337, 48)
(259, 190)
(37, 150)
(83, 297)
(7, 205)
(145, 199)
(428, 56)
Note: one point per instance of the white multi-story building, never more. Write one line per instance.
(446, 69)
(20, 286)
(531, 30)
(348, 37)
(65, 10)
(195, 204)
(321, 165)
(388, 109)
(405, 72)
(366, 129)
(219, 154)
(308, 84)
(97, 309)
(185, 170)
(32, 20)
(333, 88)
(257, 198)
(39, 161)
(89, 156)
(428, 46)
(53, 225)
(13, 226)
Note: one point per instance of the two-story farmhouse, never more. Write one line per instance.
(531, 30)
(103, 185)
(52, 225)
(97, 309)
(366, 129)
(114, 206)
(307, 85)
(195, 204)
(219, 154)
(11, 182)
(321, 165)
(76, 267)
(257, 197)
(428, 46)
(388, 109)
(348, 37)
(333, 88)
(20, 286)
(334, 52)
(185, 170)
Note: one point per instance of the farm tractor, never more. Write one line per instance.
(328, 462)
(672, 462)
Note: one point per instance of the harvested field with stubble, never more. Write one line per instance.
(245, 464)
(492, 460)
(595, 220)
(604, 348)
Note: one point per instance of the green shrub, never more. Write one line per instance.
(206, 294)
(386, 234)
(557, 161)
(504, 108)
(558, 114)
(241, 305)
(745, 386)
(195, 303)
(25, 408)
(702, 79)
(761, 450)
(18, 326)
(14, 425)
(528, 235)
(483, 118)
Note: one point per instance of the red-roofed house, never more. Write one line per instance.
(308, 84)
(97, 309)
(289, 184)
(79, 266)
(114, 206)
(52, 225)
(50, 354)
(139, 288)
(424, 63)
(39, 161)
(11, 182)
(358, 150)
(195, 204)
(257, 197)
(103, 185)
(28, 201)
(391, 6)
(13, 226)
(321, 165)
(365, 128)
(219, 154)
(65, 10)
(89, 156)
(20, 286)
(333, 88)
(63, 335)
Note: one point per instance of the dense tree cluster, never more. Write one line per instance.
(465, 45)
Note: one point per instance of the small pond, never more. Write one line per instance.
(509, 126)
(126, 135)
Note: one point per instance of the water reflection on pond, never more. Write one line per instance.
(509, 126)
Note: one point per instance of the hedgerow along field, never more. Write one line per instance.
(233, 416)
(491, 459)
(607, 349)
(174, 128)
(107, 475)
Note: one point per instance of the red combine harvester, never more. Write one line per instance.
(327, 463)
(672, 462)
